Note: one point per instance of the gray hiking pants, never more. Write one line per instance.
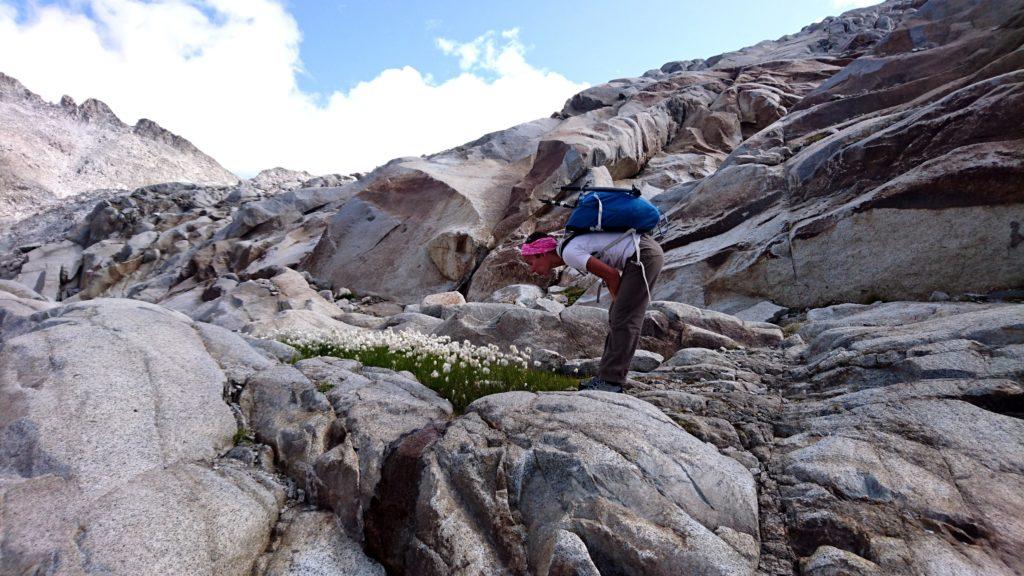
(626, 315)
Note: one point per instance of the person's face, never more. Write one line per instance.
(542, 264)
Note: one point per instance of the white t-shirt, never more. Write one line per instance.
(581, 248)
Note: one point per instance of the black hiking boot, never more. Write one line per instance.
(596, 383)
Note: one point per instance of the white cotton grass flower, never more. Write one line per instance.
(439, 354)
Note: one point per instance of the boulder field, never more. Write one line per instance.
(875, 439)
(830, 377)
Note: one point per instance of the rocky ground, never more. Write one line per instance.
(830, 379)
(875, 439)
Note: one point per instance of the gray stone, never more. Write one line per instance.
(236, 357)
(549, 359)
(547, 305)
(520, 294)
(574, 332)
(374, 408)
(20, 290)
(581, 368)
(49, 266)
(282, 209)
(286, 411)
(290, 322)
(443, 299)
(122, 480)
(15, 308)
(526, 463)
(697, 323)
(412, 321)
(314, 544)
(761, 312)
(273, 349)
(256, 304)
(645, 361)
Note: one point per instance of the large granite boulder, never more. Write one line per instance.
(564, 483)
(687, 326)
(111, 412)
(939, 340)
(287, 412)
(374, 408)
(420, 223)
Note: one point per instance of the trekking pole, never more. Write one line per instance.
(634, 191)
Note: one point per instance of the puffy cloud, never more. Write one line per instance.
(222, 73)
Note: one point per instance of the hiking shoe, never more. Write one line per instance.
(600, 385)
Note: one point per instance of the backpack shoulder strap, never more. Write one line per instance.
(565, 242)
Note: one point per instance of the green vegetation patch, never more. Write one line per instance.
(460, 372)
(243, 437)
(573, 293)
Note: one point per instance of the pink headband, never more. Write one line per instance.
(540, 246)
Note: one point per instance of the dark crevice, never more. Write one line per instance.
(1005, 402)
(389, 522)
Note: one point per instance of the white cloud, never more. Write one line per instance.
(222, 73)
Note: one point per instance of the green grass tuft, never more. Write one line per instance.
(573, 293)
(816, 137)
(791, 328)
(243, 437)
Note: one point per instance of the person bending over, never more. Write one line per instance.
(611, 256)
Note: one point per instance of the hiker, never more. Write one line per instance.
(610, 256)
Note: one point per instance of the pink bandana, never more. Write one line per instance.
(539, 246)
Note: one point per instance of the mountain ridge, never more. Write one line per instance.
(56, 150)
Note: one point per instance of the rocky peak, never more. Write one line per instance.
(13, 90)
(93, 110)
(150, 129)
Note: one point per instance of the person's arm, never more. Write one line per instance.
(605, 272)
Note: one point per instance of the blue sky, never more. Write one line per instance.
(346, 86)
(593, 41)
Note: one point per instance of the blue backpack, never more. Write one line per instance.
(612, 210)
